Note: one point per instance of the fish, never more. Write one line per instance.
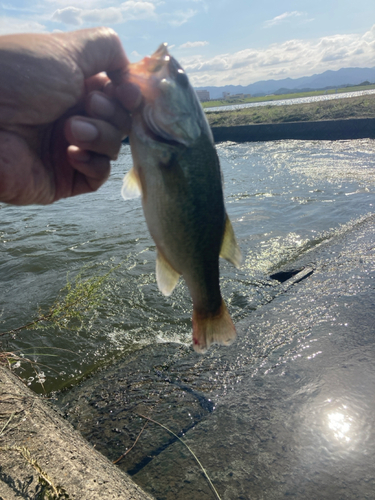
(176, 171)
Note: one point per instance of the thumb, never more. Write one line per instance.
(96, 50)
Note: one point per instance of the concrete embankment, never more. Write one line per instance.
(324, 130)
(330, 130)
(42, 456)
(286, 411)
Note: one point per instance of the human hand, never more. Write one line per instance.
(59, 122)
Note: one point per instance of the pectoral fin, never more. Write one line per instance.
(229, 247)
(166, 276)
(131, 186)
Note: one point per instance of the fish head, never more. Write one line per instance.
(171, 111)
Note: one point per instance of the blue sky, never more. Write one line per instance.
(219, 42)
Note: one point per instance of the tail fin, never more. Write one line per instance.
(210, 329)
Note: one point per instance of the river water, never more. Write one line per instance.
(287, 410)
(283, 198)
(288, 102)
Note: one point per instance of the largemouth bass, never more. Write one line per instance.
(177, 172)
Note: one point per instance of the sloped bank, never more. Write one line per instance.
(330, 130)
(42, 456)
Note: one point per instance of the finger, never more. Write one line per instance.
(96, 82)
(129, 95)
(92, 170)
(93, 135)
(96, 50)
(98, 105)
(110, 90)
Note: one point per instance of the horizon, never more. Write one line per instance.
(293, 79)
(221, 43)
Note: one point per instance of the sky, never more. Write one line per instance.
(219, 42)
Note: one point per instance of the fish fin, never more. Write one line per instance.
(166, 276)
(210, 329)
(131, 186)
(229, 247)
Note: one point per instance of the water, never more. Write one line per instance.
(288, 102)
(287, 410)
(283, 198)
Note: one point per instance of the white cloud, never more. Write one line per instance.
(9, 25)
(190, 45)
(282, 18)
(179, 17)
(127, 11)
(137, 10)
(135, 56)
(294, 58)
(69, 15)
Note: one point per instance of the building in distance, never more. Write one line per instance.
(203, 95)
(227, 96)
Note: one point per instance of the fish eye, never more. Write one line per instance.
(181, 78)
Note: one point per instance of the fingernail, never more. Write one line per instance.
(102, 106)
(129, 95)
(84, 131)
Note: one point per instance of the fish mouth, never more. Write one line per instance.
(151, 64)
(149, 71)
(161, 52)
(161, 65)
(170, 112)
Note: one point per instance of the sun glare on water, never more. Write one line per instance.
(340, 425)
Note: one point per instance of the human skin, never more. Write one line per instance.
(61, 119)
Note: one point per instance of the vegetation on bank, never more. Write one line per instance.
(278, 97)
(335, 109)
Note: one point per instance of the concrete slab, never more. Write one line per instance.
(42, 456)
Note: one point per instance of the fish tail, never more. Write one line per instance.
(212, 328)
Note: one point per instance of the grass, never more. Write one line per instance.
(353, 107)
(295, 95)
(48, 490)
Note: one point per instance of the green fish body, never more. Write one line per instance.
(177, 172)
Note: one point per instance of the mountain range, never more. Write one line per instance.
(328, 79)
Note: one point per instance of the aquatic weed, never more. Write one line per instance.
(73, 302)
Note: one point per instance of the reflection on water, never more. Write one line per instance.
(339, 424)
